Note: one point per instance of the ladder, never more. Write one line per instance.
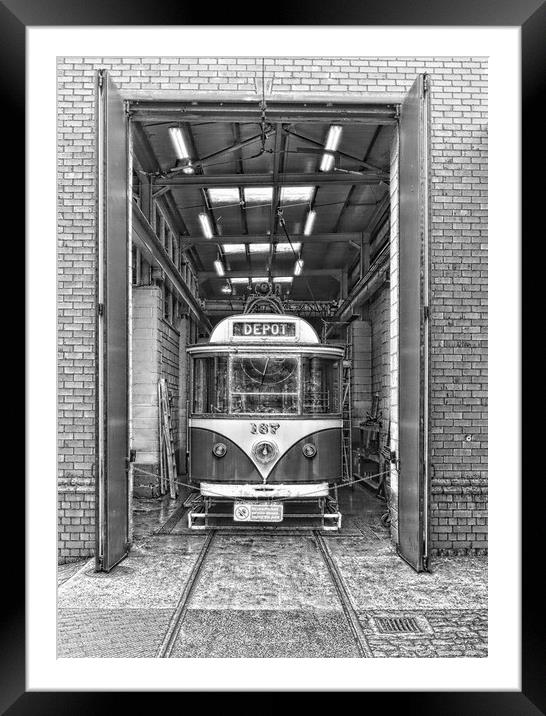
(166, 439)
(346, 409)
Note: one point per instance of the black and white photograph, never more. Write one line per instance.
(276, 282)
(273, 348)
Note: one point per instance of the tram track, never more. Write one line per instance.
(167, 644)
(343, 596)
(173, 630)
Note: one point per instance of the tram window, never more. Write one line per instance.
(320, 385)
(210, 385)
(264, 384)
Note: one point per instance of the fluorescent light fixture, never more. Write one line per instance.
(310, 220)
(332, 140)
(296, 193)
(332, 143)
(327, 162)
(219, 267)
(298, 268)
(283, 279)
(258, 194)
(224, 195)
(205, 225)
(226, 288)
(239, 280)
(258, 279)
(233, 248)
(179, 143)
(258, 248)
(284, 247)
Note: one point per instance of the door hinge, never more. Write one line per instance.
(426, 313)
(100, 309)
(426, 83)
(101, 78)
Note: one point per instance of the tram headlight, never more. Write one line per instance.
(309, 450)
(265, 451)
(219, 449)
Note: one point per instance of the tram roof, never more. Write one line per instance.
(264, 328)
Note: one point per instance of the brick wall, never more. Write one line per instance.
(379, 312)
(147, 306)
(458, 236)
(155, 345)
(361, 373)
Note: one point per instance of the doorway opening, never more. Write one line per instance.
(224, 195)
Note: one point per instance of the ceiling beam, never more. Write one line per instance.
(335, 272)
(143, 150)
(252, 239)
(317, 179)
(291, 112)
(236, 304)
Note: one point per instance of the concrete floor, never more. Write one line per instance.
(269, 594)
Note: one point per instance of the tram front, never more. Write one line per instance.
(265, 425)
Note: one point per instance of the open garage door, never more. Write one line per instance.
(413, 316)
(112, 518)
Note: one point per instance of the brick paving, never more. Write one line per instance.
(110, 633)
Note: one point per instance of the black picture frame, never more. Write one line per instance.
(530, 16)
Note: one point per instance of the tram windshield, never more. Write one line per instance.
(265, 384)
(278, 384)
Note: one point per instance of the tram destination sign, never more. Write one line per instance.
(276, 329)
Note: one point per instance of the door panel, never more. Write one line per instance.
(112, 326)
(413, 332)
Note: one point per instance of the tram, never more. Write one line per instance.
(265, 422)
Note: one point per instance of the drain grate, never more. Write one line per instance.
(397, 625)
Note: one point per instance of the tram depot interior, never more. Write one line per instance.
(239, 202)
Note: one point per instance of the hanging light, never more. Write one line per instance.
(298, 268)
(206, 225)
(219, 267)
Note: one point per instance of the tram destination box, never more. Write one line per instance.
(278, 329)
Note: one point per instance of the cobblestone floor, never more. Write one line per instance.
(270, 595)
